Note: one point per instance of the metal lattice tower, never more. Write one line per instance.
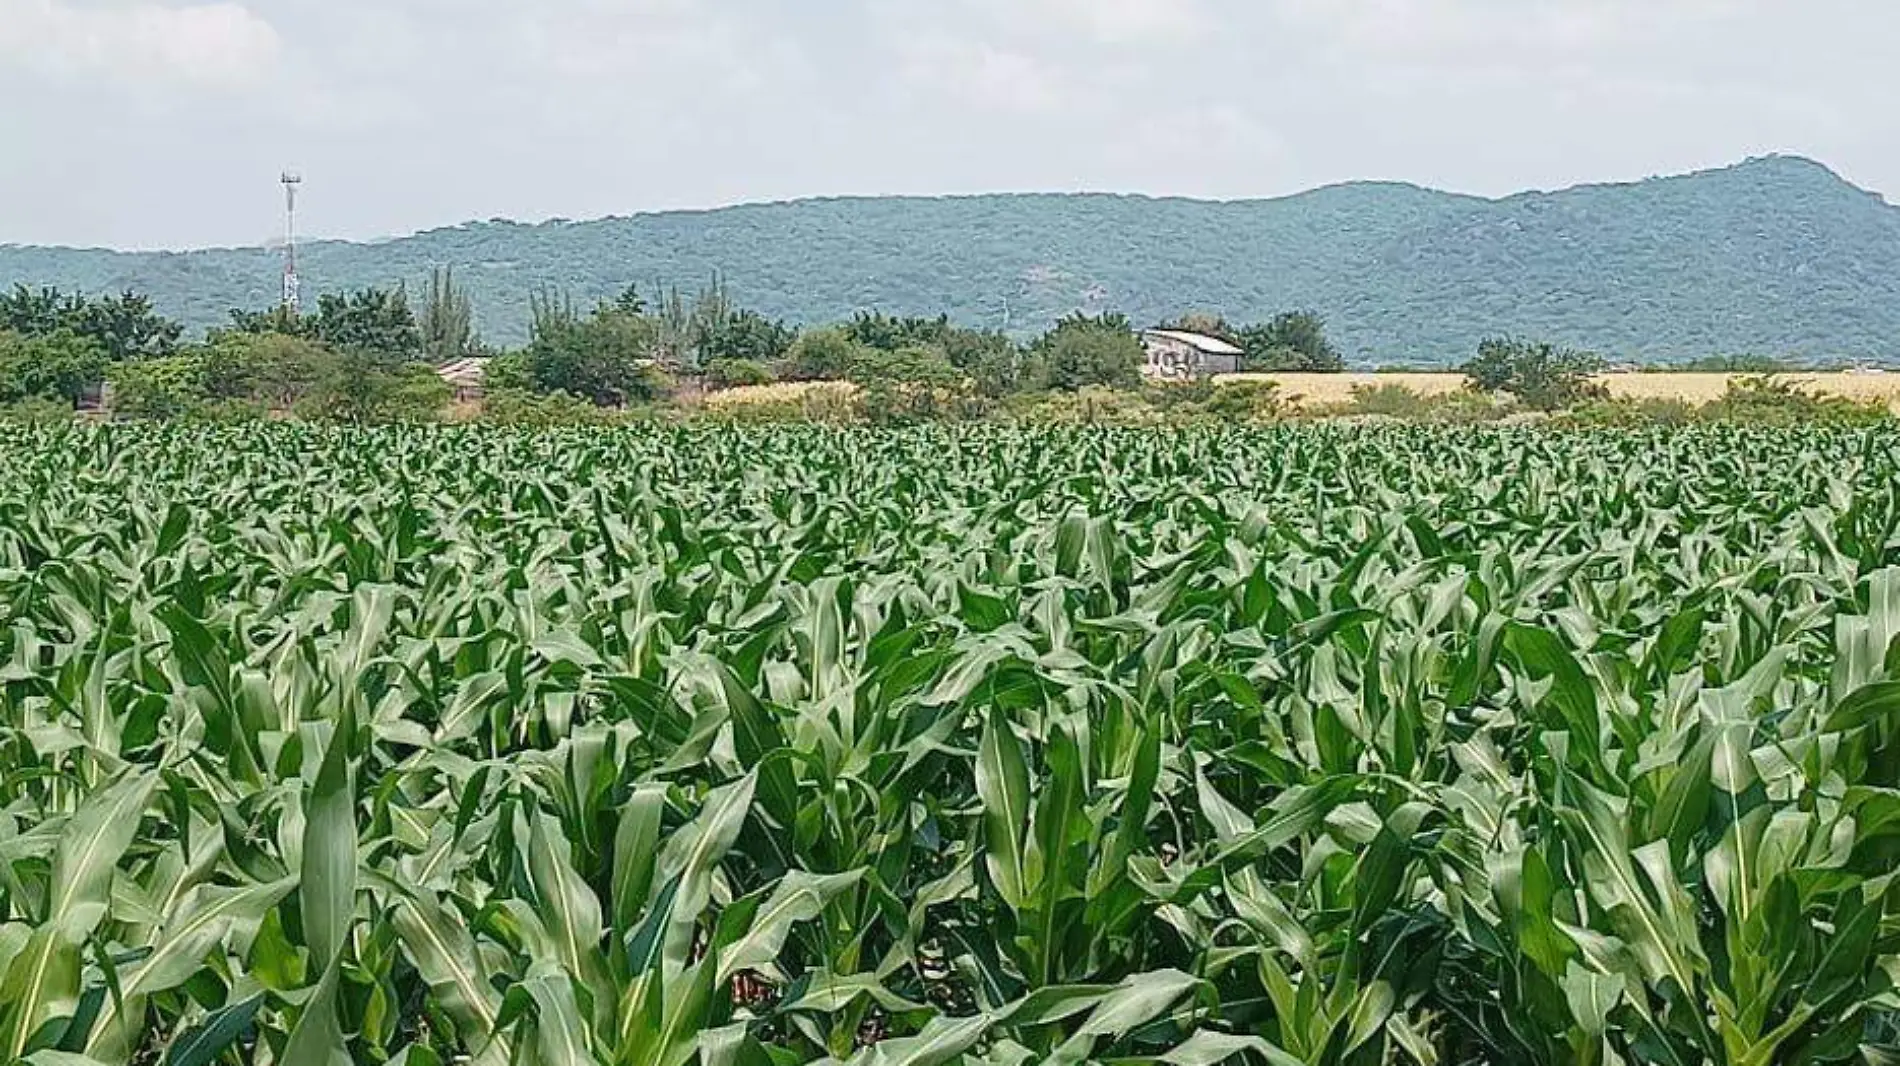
(290, 181)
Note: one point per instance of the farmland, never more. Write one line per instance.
(656, 745)
(1321, 390)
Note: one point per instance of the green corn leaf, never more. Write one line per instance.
(203, 1045)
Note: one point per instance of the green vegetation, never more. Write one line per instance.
(447, 322)
(1392, 400)
(1292, 341)
(967, 746)
(1081, 351)
(1777, 256)
(1540, 376)
(60, 365)
(123, 324)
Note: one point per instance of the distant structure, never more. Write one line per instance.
(465, 377)
(290, 182)
(1176, 354)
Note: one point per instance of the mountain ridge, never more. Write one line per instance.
(1776, 255)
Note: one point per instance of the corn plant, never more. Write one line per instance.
(768, 746)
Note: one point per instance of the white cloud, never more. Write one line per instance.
(217, 45)
(984, 75)
(408, 113)
(1123, 21)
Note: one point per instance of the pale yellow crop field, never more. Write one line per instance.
(1327, 390)
(1322, 390)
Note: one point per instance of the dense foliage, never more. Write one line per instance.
(1538, 374)
(1315, 745)
(1290, 341)
(123, 325)
(1777, 256)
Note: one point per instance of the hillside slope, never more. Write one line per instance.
(1774, 256)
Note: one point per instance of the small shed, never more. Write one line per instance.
(1175, 354)
(465, 376)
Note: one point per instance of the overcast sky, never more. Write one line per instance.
(164, 123)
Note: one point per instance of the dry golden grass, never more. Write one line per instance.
(783, 392)
(1322, 390)
(1327, 390)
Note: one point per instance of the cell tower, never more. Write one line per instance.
(290, 181)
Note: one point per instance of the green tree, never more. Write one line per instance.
(447, 323)
(1082, 350)
(747, 336)
(889, 332)
(125, 325)
(913, 365)
(272, 369)
(278, 321)
(375, 322)
(1206, 324)
(128, 328)
(607, 357)
(630, 302)
(994, 363)
(1295, 340)
(823, 355)
(1538, 374)
(38, 312)
(58, 365)
(357, 385)
(163, 388)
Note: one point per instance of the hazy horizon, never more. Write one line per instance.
(164, 123)
(306, 238)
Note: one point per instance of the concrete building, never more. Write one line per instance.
(1175, 354)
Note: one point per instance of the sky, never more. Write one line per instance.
(165, 123)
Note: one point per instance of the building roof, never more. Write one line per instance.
(466, 373)
(1198, 341)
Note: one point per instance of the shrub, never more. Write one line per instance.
(607, 357)
(519, 407)
(916, 365)
(831, 402)
(1092, 405)
(1767, 399)
(508, 372)
(273, 369)
(36, 410)
(823, 355)
(1244, 401)
(61, 364)
(1392, 400)
(1541, 376)
(228, 411)
(1648, 411)
(735, 373)
(170, 387)
(354, 388)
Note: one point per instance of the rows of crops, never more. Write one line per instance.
(652, 747)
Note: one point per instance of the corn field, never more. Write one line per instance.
(768, 746)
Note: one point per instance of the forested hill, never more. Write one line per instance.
(1773, 256)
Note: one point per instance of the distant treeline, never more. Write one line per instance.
(372, 353)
